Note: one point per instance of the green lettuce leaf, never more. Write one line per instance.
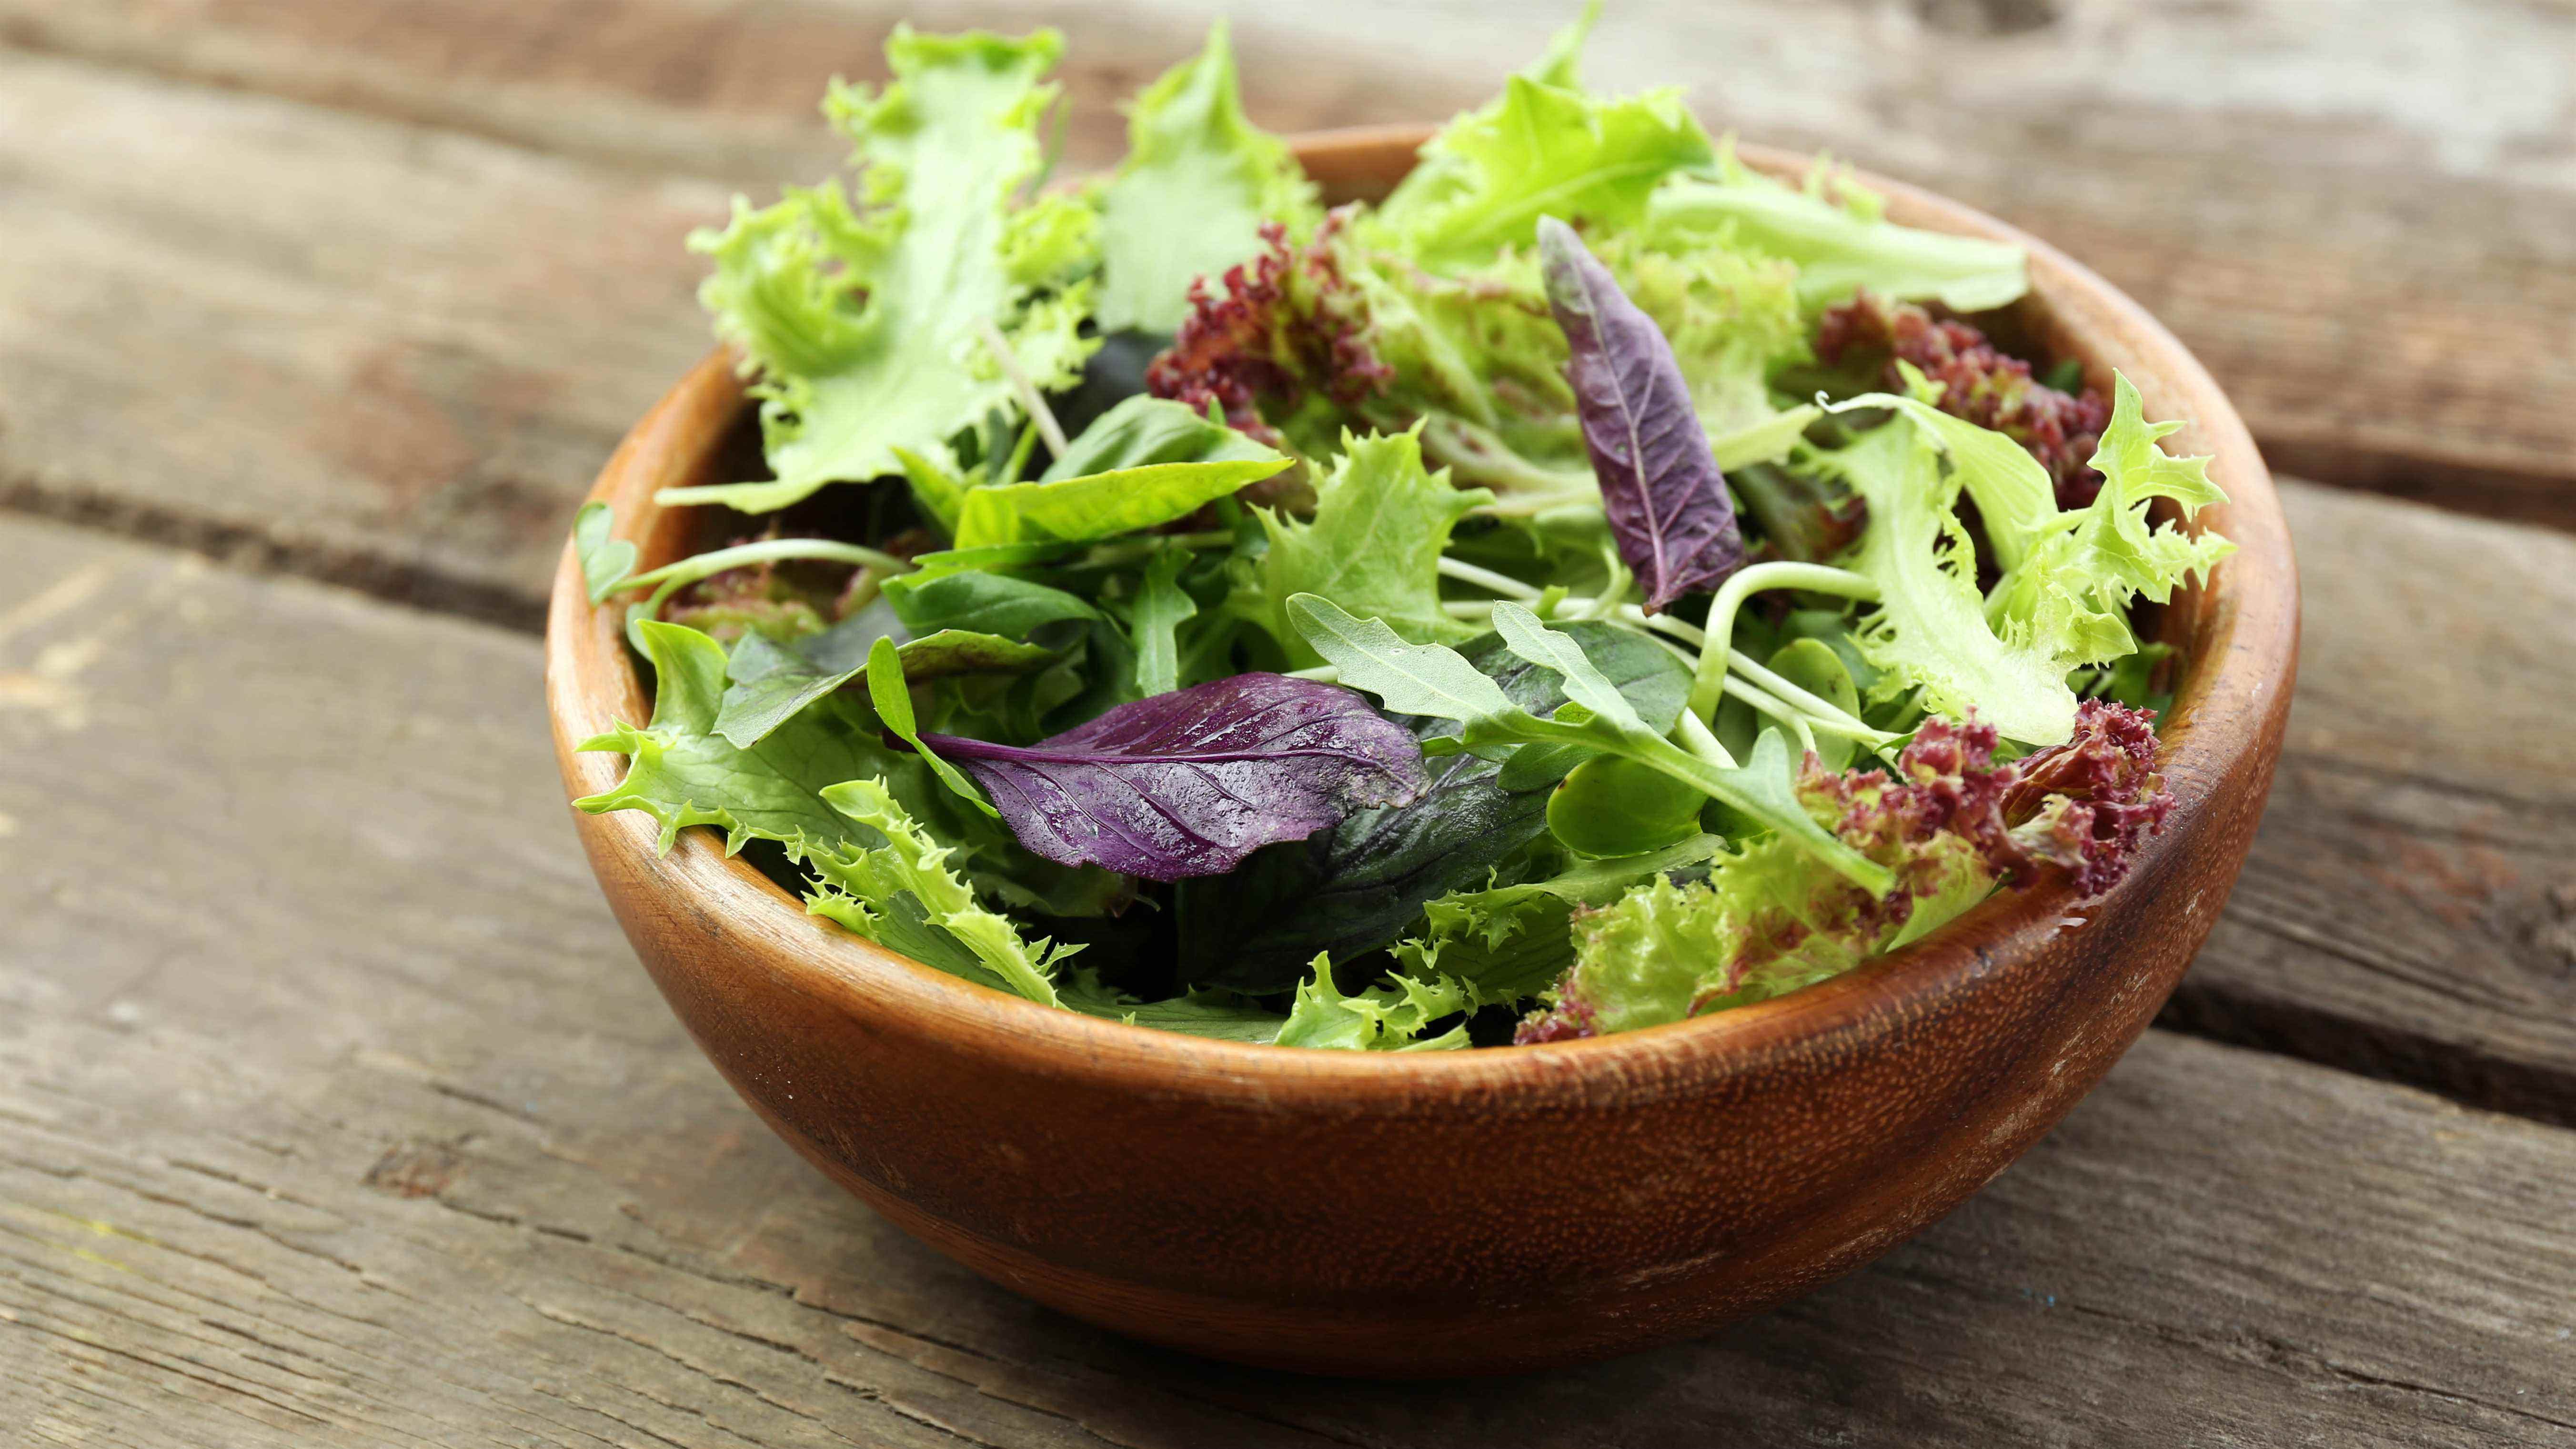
(1154, 620)
(1190, 199)
(605, 561)
(1219, 1015)
(901, 894)
(683, 773)
(979, 602)
(1388, 1017)
(869, 328)
(1929, 630)
(1509, 943)
(1381, 523)
(1486, 178)
(1833, 231)
(2070, 594)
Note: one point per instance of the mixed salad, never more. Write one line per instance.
(1594, 586)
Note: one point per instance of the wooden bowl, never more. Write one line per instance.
(1453, 1212)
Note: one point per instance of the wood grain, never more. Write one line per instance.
(2362, 216)
(334, 1112)
(2410, 905)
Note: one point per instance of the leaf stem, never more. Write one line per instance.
(1700, 741)
(1033, 402)
(1503, 584)
(1716, 653)
(670, 578)
(1763, 703)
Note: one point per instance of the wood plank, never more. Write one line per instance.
(2362, 216)
(2410, 905)
(334, 1111)
(386, 355)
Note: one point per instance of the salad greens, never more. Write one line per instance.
(1598, 586)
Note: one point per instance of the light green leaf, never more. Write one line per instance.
(1508, 943)
(1426, 679)
(2016, 502)
(1556, 650)
(1155, 620)
(879, 891)
(1381, 523)
(1929, 630)
(2070, 596)
(1103, 505)
(1189, 201)
(1387, 1017)
(683, 773)
(1486, 178)
(605, 561)
(1560, 64)
(867, 328)
(892, 696)
(1837, 241)
(1141, 431)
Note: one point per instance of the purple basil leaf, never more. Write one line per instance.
(1659, 484)
(1189, 783)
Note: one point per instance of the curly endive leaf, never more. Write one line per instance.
(868, 327)
(896, 892)
(2070, 595)
(1189, 200)
(1389, 1017)
(1381, 523)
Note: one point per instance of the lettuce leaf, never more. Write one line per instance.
(901, 894)
(1833, 231)
(1102, 505)
(683, 773)
(1189, 201)
(2070, 593)
(1508, 943)
(605, 561)
(1388, 1017)
(1929, 630)
(1381, 523)
(1483, 182)
(868, 327)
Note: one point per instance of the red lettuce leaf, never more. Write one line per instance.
(1659, 484)
(1978, 383)
(1189, 783)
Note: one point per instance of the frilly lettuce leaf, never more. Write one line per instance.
(2070, 594)
(1381, 523)
(1486, 178)
(1508, 943)
(901, 894)
(868, 327)
(682, 773)
(1190, 199)
(1929, 630)
(1833, 231)
(1388, 1017)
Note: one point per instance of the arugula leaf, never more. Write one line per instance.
(1189, 201)
(1486, 178)
(1833, 231)
(1380, 526)
(1189, 783)
(898, 892)
(979, 602)
(683, 773)
(868, 328)
(605, 561)
(1354, 888)
(1155, 619)
(1760, 787)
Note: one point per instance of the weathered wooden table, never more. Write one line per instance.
(333, 1109)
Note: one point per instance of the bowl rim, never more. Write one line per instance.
(2245, 656)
